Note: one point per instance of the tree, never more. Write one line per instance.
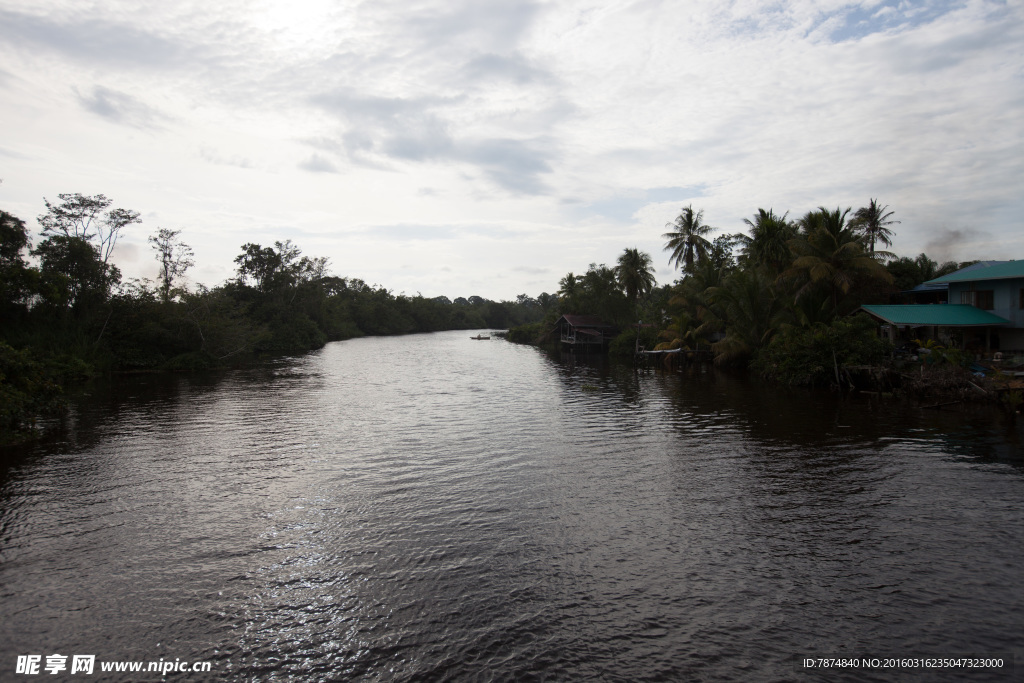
(748, 304)
(873, 222)
(635, 274)
(695, 315)
(81, 216)
(768, 243)
(569, 292)
(278, 267)
(547, 301)
(829, 253)
(72, 274)
(175, 258)
(258, 264)
(15, 276)
(687, 241)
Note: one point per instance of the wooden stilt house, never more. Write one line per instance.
(586, 333)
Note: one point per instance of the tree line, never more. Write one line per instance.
(68, 314)
(776, 298)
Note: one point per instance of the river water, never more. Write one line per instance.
(436, 508)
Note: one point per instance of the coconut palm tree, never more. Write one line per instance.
(695, 317)
(569, 293)
(751, 311)
(635, 274)
(873, 222)
(687, 241)
(829, 253)
(768, 243)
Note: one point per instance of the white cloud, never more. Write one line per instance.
(510, 142)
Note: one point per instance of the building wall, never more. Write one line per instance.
(1006, 297)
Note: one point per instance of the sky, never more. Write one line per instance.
(460, 147)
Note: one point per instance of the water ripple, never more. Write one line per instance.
(429, 508)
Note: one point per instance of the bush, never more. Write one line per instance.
(625, 344)
(531, 333)
(812, 356)
(27, 390)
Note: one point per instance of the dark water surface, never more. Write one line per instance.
(432, 507)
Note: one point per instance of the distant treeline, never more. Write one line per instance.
(70, 315)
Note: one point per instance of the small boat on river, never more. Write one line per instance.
(480, 336)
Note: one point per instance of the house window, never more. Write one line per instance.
(983, 299)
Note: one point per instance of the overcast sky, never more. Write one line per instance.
(457, 147)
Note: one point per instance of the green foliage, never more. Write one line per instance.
(175, 258)
(625, 344)
(873, 222)
(750, 309)
(768, 244)
(830, 257)
(635, 274)
(17, 280)
(687, 238)
(931, 352)
(815, 355)
(28, 390)
(530, 333)
(597, 292)
(282, 302)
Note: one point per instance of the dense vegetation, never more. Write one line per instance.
(777, 298)
(69, 315)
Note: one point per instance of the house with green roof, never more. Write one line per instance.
(986, 304)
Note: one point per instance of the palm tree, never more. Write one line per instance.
(687, 241)
(568, 293)
(874, 222)
(829, 253)
(635, 274)
(768, 244)
(750, 309)
(696, 317)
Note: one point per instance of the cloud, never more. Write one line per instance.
(625, 205)
(406, 232)
(383, 129)
(11, 154)
(493, 25)
(318, 164)
(120, 108)
(127, 252)
(411, 232)
(214, 157)
(515, 165)
(566, 131)
(95, 40)
(486, 68)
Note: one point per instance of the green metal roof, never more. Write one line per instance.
(943, 315)
(1000, 271)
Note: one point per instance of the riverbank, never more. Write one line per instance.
(848, 357)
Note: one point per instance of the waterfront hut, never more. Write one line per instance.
(584, 332)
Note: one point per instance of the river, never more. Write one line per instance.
(436, 508)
